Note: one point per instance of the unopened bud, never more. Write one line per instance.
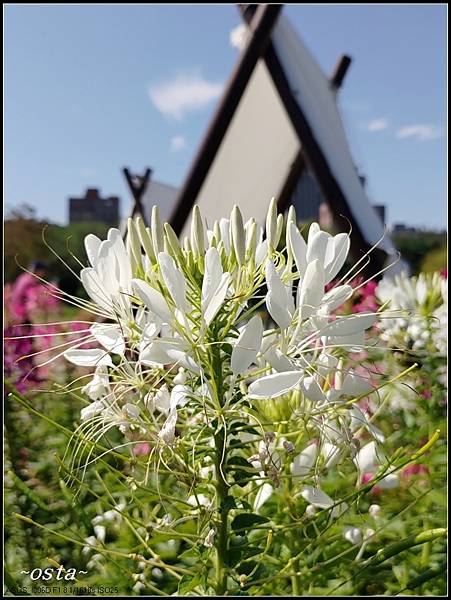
(210, 538)
(271, 225)
(375, 510)
(145, 237)
(278, 230)
(251, 242)
(310, 511)
(238, 235)
(172, 240)
(197, 232)
(157, 231)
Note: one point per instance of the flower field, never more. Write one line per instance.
(247, 412)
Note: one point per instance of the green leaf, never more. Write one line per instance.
(188, 582)
(245, 521)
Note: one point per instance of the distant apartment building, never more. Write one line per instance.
(94, 208)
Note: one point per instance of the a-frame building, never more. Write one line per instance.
(277, 121)
(277, 117)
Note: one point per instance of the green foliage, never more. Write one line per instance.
(414, 246)
(24, 244)
(435, 260)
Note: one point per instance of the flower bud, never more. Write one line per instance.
(310, 511)
(145, 238)
(197, 232)
(157, 231)
(278, 230)
(291, 216)
(186, 245)
(100, 532)
(172, 240)
(353, 535)
(209, 540)
(134, 240)
(216, 234)
(375, 510)
(251, 241)
(238, 235)
(271, 225)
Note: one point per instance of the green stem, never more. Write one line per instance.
(296, 580)
(221, 537)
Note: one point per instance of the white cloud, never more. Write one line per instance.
(238, 36)
(377, 125)
(422, 133)
(187, 92)
(178, 143)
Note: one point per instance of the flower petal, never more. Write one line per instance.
(217, 299)
(212, 276)
(312, 390)
(93, 357)
(304, 462)
(298, 248)
(311, 289)
(174, 280)
(247, 345)
(317, 246)
(349, 325)
(316, 497)
(110, 337)
(153, 299)
(336, 297)
(342, 244)
(274, 385)
(92, 243)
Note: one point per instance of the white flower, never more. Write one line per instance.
(304, 462)
(99, 386)
(247, 346)
(275, 385)
(90, 411)
(353, 535)
(210, 538)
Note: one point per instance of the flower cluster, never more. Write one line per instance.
(420, 306)
(184, 355)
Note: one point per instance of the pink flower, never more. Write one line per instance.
(415, 470)
(366, 478)
(142, 449)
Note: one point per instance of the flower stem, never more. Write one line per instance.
(223, 512)
(220, 439)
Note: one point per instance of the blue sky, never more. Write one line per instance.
(90, 89)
